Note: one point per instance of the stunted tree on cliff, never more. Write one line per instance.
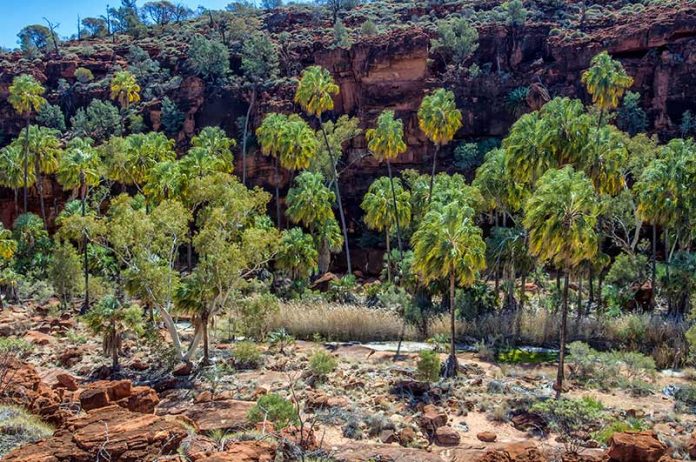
(26, 98)
(439, 119)
(315, 93)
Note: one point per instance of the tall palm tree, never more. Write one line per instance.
(165, 180)
(606, 80)
(310, 203)
(448, 245)
(45, 150)
(297, 255)
(560, 218)
(291, 143)
(315, 93)
(25, 97)
(383, 212)
(12, 170)
(386, 142)
(439, 119)
(142, 152)
(80, 167)
(125, 89)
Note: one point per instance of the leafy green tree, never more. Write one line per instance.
(631, 117)
(110, 319)
(297, 255)
(51, 116)
(561, 219)
(457, 40)
(607, 81)
(64, 272)
(124, 89)
(341, 35)
(516, 13)
(448, 245)
(128, 160)
(439, 119)
(309, 203)
(337, 6)
(172, 117)
(95, 27)
(387, 203)
(208, 58)
(26, 98)
(260, 66)
(34, 245)
(34, 37)
(98, 121)
(165, 180)
(12, 171)
(315, 93)
(80, 168)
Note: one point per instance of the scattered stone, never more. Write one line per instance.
(447, 436)
(635, 447)
(487, 437)
(182, 369)
(432, 419)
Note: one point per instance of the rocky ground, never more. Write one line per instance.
(371, 408)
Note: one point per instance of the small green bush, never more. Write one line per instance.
(275, 409)
(618, 426)
(428, 365)
(18, 427)
(568, 416)
(246, 355)
(83, 75)
(322, 363)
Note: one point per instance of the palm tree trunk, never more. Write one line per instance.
(26, 166)
(432, 174)
(590, 296)
(83, 194)
(561, 354)
(396, 210)
(520, 306)
(39, 187)
(246, 131)
(653, 275)
(277, 193)
(389, 271)
(452, 365)
(579, 314)
(338, 197)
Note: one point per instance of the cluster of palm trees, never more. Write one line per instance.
(563, 183)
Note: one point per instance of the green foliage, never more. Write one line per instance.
(368, 28)
(322, 363)
(65, 272)
(34, 245)
(475, 301)
(606, 80)
(468, 157)
(687, 123)
(516, 101)
(630, 116)
(18, 427)
(259, 59)
(246, 355)
(378, 204)
(83, 75)
(51, 116)
(275, 409)
(341, 35)
(438, 116)
(316, 90)
(457, 40)
(625, 277)
(255, 315)
(25, 95)
(568, 416)
(428, 366)
(35, 37)
(297, 254)
(516, 13)
(280, 339)
(619, 426)
(208, 58)
(342, 290)
(98, 121)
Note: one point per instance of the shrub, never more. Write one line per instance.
(457, 40)
(428, 365)
(256, 313)
(280, 339)
(33, 245)
(208, 58)
(618, 426)
(246, 355)
(467, 156)
(275, 409)
(65, 272)
(368, 28)
(568, 416)
(18, 427)
(322, 363)
(172, 118)
(98, 121)
(631, 117)
(51, 116)
(83, 75)
(342, 290)
(341, 35)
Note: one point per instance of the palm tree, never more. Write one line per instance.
(448, 245)
(215, 144)
(297, 255)
(165, 180)
(560, 219)
(315, 93)
(439, 119)
(310, 203)
(8, 247)
(12, 170)
(290, 141)
(383, 211)
(111, 319)
(25, 97)
(125, 89)
(386, 142)
(606, 80)
(142, 152)
(80, 167)
(44, 148)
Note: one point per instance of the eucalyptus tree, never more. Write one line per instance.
(315, 93)
(26, 98)
(448, 245)
(310, 204)
(386, 204)
(439, 119)
(80, 168)
(561, 218)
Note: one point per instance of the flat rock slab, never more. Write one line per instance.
(225, 414)
(382, 452)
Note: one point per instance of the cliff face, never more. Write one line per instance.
(394, 71)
